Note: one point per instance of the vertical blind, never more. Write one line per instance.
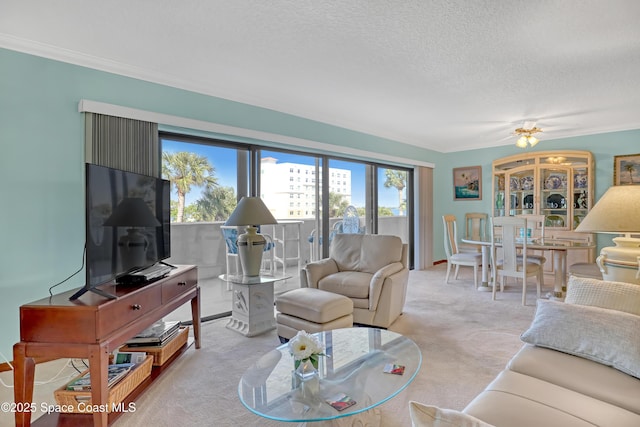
(127, 144)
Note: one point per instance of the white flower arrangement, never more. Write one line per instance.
(305, 346)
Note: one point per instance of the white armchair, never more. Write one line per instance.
(369, 269)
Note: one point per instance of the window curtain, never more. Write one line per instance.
(127, 144)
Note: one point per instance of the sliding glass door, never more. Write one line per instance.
(310, 201)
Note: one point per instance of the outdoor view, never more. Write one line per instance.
(204, 184)
(206, 180)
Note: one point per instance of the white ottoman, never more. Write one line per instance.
(312, 310)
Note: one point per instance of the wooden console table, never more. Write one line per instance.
(92, 327)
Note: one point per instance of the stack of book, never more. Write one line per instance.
(157, 335)
(115, 373)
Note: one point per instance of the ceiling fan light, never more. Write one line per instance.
(522, 142)
(532, 140)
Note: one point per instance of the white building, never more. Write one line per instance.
(289, 188)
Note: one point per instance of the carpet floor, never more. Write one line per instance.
(465, 339)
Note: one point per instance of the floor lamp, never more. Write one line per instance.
(617, 212)
(251, 212)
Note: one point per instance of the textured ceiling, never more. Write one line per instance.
(445, 75)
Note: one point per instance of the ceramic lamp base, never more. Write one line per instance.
(620, 263)
(250, 249)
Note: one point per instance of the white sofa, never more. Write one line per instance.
(579, 366)
(369, 269)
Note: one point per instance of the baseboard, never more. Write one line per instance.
(442, 261)
(4, 367)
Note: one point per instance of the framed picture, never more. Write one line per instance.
(626, 169)
(467, 183)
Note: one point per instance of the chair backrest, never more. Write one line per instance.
(230, 234)
(450, 235)
(351, 221)
(507, 228)
(535, 223)
(476, 225)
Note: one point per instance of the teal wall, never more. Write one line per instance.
(603, 146)
(42, 164)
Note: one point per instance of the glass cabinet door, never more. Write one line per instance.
(522, 187)
(499, 194)
(554, 196)
(580, 200)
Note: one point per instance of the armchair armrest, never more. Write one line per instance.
(317, 270)
(375, 286)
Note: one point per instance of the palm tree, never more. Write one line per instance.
(397, 179)
(631, 169)
(337, 205)
(185, 169)
(216, 204)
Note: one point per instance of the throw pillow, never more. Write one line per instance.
(605, 336)
(603, 293)
(432, 416)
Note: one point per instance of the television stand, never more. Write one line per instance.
(56, 327)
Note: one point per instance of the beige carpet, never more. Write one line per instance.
(465, 338)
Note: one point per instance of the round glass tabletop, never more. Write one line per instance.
(354, 366)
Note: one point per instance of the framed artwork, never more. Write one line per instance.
(467, 183)
(626, 169)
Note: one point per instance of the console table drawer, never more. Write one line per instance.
(114, 316)
(175, 286)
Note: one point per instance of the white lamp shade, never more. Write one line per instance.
(251, 211)
(617, 211)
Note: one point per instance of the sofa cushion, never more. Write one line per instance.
(367, 253)
(578, 374)
(514, 399)
(353, 284)
(432, 416)
(605, 294)
(602, 335)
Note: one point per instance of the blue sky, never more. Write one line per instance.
(224, 161)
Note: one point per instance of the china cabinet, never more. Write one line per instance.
(556, 184)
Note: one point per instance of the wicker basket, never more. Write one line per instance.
(80, 401)
(162, 354)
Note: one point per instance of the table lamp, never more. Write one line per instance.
(134, 213)
(617, 212)
(251, 212)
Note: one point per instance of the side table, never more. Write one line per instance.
(252, 303)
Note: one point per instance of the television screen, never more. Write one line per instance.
(127, 222)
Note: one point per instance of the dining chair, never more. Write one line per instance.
(512, 265)
(535, 223)
(454, 256)
(475, 228)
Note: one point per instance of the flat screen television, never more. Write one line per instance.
(127, 221)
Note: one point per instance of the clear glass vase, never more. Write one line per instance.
(309, 379)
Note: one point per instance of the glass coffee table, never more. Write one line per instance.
(354, 365)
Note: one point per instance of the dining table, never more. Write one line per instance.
(558, 247)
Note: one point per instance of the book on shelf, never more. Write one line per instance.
(114, 374)
(154, 342)
(156, 334)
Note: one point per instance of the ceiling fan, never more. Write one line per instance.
(526, 133)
